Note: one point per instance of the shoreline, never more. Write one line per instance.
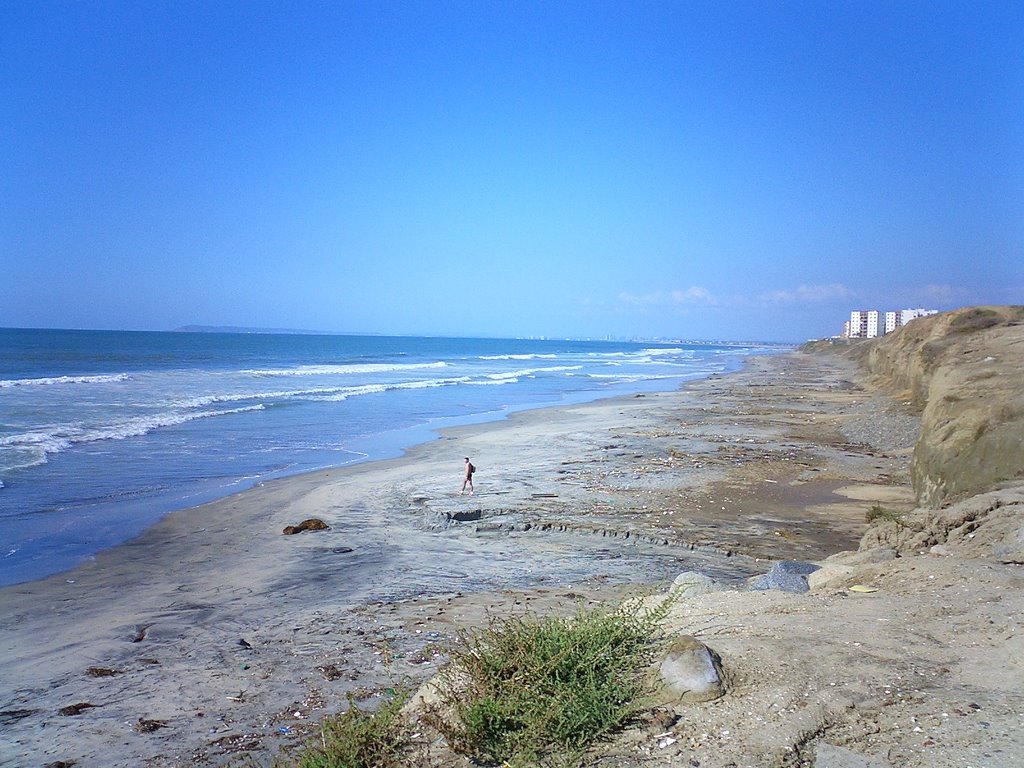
(380, 447)
(215, 624)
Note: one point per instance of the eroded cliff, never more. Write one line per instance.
(964, 371)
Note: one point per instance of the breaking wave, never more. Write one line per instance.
(33, 447)
(335, 370)
(55, 380)
(531, 356)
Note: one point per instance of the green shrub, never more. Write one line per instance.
(357, 739)
(527, 691)
(974, 320)
(878, 513)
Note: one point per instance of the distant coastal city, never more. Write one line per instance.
(865, 323)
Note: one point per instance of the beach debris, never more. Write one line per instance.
(240, 697)
(102, 672)
(311, 524)
(62, 764)
(148, 726)
(863, 588)
(342, 550)
(138, 633)
(232, 743)
(284, 729)
(330, 672)
(244, 643)
(663, 720)
(75, 709)
(9, 716)
(149, 661)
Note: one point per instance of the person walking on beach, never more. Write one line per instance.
(467, 478)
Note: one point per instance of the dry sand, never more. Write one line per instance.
(213, 636)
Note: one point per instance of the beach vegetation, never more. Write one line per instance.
(877, 513)
(975, 319)
(361, 739)
(529, 691)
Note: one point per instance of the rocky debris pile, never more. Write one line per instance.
(989, 526)
(883, 426)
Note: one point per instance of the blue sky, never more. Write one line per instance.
(706, 170)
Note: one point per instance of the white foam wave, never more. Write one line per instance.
(328, 394)
(650, 376)
(335, 370)
(54, 380)
(533, 371)
(203, 401)
(666, 351)
(608, 354)
(39, 443)
(373, 389)
(531, 356)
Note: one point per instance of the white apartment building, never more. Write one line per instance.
(906, 315)
(892, 321)
(864, 323)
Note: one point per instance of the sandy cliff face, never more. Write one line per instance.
(965, 371)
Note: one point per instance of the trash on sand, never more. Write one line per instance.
(862, 588)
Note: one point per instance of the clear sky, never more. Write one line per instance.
(705, 170)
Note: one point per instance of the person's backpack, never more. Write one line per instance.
(472, 469)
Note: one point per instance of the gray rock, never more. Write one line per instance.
(692, 672)
(831, 756)
(693, 583)
(467, 516)
(785, 575)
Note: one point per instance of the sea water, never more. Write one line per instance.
(104, 432)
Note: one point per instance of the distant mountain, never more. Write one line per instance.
(242, 329)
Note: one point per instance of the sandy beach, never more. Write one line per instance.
(213, 636)
(238, 637)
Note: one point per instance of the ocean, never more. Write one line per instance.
(104, 432)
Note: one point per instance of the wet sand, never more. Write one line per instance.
(213, 635)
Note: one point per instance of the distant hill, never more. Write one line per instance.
(242, 329)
